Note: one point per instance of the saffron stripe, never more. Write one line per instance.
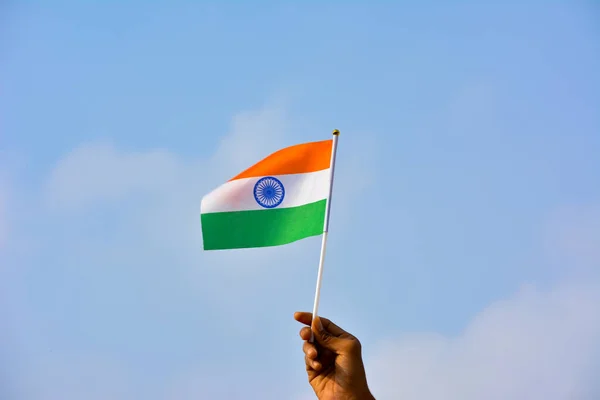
(298, 159)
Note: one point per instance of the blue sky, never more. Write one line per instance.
(465, 224)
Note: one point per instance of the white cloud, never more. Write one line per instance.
(535, 345)
(253, 135)
(160, 191)
(98, 172)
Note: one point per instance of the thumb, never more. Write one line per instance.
(324, 337)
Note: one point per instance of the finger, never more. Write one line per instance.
(312, 365)
(303, 317)
(305, 333)
(310, 350)
(306, 319)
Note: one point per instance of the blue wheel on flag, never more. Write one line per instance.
(269, 192)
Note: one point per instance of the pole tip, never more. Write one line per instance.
(336, 132)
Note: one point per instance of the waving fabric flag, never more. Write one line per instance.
(279, 200)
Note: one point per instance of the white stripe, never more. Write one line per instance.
(238, 195)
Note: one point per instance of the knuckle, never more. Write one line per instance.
(308, 362)
(325, 337)
(354, 345)
(310, 350)
(303, 332)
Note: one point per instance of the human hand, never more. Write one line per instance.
(333, 362)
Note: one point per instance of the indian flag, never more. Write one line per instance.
(279, 200)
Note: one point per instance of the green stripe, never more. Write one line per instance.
(262, 228)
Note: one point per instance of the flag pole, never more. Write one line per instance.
(336, 134)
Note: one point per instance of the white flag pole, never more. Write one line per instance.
(336, 134)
